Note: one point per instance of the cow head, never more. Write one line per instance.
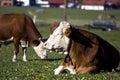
(62, 33)
(59, 36)
(40, 51)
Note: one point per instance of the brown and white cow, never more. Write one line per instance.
(87, 52)
(20, 28)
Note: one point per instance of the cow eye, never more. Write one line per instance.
(59, 34)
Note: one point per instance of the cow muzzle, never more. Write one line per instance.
(47, 45)
(50, 46)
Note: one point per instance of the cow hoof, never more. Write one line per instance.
(25, 60)
(73, 72)
(56, 71)
(14, 60)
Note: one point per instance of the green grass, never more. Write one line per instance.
(37, 69)
(75, 16)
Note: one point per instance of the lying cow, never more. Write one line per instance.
(20, 28)
(87, 52)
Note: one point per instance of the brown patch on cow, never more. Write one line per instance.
(68, 32)
(86, 70)
(54, 26)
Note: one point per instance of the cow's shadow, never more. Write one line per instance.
(50, 59)
(54, 59)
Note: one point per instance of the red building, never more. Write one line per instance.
(55, 3)
(100, 4)
(6, 2)
(93, 2)
(86, 4)
(58, 3)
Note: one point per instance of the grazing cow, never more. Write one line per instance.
(87, 52)
(20, 28)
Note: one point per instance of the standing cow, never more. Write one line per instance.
(87, 52)
(20, 28)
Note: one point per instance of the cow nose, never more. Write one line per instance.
(45, 45)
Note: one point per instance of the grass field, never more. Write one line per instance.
(35, 68)
(75, 16)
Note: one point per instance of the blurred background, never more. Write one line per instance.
(81, 4)
(77, 12)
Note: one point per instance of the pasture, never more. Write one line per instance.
(37, 69)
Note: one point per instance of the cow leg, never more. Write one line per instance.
(24, 45)
(14, 57)
(61, 68)
(24, 54)
(71, 69)
(16, 50)
(58, 70)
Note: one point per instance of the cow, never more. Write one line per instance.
(87, 52)
(20, 29)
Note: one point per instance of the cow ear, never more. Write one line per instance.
(35, 42)
(68, 32)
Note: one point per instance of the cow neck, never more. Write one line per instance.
(70, 42)
(67, 58)
(69, 46)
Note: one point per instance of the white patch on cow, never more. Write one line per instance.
(61, 68)
(58, 40)
(11, 39)
(8, 40)
(66, 52)
(24, 55)
(62, 52)
(58, 70)
(41, 51)
(23, 43)
(14, 57)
